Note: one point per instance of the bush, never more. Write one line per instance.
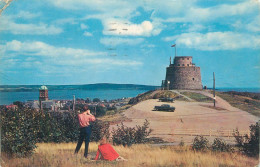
(249, 144)
(246, 101)
(200, 143)
(182, 143)
(142, 132)
(127, 136)
(97, 100)
(58, 127)
(23, 128)
(221, 146)
(18, 132)
(99, 130)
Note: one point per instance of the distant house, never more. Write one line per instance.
(11, 106)
(49, 105)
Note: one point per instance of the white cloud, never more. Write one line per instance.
(254, 26)
(88, 34)
(101, 6)
(66, 21)
(42, 56)
(196, 28)
(198, 14)
(163, 13)
(83, 26)
(125, 28)
(26, 15)
(30, 29)
(216, 41)
(114, 41)
(42, 49)
(101, 61)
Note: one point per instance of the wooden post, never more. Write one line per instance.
(214, 96)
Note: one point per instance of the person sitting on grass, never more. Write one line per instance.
(107, 152)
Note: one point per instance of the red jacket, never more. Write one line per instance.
(107, 152)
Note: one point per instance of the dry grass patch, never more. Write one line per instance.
(242, 102)
(61, 155)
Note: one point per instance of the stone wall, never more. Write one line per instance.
(183, 77)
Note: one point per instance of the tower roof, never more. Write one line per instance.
(43, 87)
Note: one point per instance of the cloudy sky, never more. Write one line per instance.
(98, 41)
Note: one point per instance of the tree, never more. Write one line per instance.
(249, 144)
(19, 104)
(87, 100)
(96, 100)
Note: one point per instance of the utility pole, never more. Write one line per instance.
(73, 103)
(214, 95)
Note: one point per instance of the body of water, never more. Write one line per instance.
(10, 97)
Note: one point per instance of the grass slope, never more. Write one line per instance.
(62, 155)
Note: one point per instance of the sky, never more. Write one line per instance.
(59, 42)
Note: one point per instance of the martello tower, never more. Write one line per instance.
(182, 74)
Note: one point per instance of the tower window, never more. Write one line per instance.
(193, 79)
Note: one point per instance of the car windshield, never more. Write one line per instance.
(166, 105)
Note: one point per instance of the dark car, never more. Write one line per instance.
(164, 107)
(166, 99)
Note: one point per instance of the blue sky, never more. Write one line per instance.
(97, 41)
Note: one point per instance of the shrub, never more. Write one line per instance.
(182, 143)
(142, 132)
(200, 143)
(96, 100)
(221, 146)
(58, 127)
(98, 110)
(127, 136)
(246, 101)
(18, 132)
(249, 144)
(23, 128)
(99, 130)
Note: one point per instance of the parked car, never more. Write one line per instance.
(166, 99)
(164, 107)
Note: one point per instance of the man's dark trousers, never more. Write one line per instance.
(84, 135)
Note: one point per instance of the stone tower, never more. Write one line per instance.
(182, 74)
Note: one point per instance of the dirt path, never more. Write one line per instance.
(190, 118)
(178, 93)
(219, 101)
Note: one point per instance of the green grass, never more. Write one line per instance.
(197, 97)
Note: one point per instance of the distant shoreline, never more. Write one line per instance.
(104, 86)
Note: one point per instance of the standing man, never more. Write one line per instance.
(85, 129)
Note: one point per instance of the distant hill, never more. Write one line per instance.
(98, 86)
